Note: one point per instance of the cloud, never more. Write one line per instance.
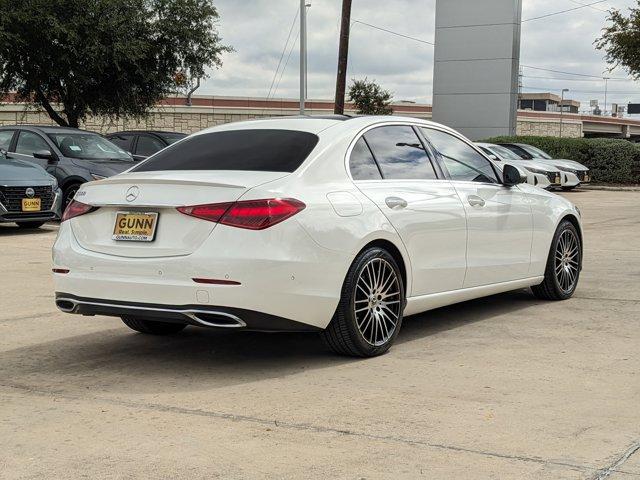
(258, 29)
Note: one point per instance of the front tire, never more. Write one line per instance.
(568, 189)
(69, 193)
(563, 265)
(152, 328)
(369, 315)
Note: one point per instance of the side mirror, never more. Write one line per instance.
(3, 154)
(513, 175)
(45, 155)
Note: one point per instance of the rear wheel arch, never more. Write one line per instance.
(395, 253)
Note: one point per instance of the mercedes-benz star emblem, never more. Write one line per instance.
(132, 193)
(30, 192)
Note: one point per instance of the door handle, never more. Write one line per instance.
(475, 201)
(395, 203)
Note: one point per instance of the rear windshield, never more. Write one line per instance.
(252, 150)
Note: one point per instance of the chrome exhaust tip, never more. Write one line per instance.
(66, 305)
(216, 319)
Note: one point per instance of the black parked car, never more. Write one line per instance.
(144, 143)
(71, 155)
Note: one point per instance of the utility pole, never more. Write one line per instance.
(343, 56)
(303, 54)
(606, 84)
(562, 108)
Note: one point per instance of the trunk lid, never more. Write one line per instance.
(158, 192)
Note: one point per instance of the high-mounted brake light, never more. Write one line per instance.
(75, 209)
(249, 214)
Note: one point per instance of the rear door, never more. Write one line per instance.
(390, 165)
(499, 218)
(123, 141)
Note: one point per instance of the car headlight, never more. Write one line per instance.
(577, 210)
(54, 183)
(566, 169)
(98, 177)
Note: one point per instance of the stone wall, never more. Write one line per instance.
(549, 128)
(192, 119)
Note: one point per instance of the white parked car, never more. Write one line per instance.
(337, 225)
(538, 174)
(573, 173)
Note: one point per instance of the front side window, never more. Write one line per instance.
(463, 161)
(87, 146)
(5, 139)
(400, 153)
(122, 141)
(536, 152)
(362, 164)
(522, 154)
(259, 150)
(148, 145)
(29, 142)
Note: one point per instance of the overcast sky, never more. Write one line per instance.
(258, 30)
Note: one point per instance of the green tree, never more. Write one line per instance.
(369, 98)
(620, 41)
(113, 58)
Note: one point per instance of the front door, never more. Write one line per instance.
(29, 142)
(390, 165)
(499, 218)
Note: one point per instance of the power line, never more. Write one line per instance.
(284, 49)
(573, 73)
(610, 92)
(564, 11)
(590, 6)
(393, 33)
(570, 79)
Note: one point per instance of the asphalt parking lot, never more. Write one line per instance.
(504, 387)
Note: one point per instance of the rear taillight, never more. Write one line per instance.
(250, 214)
(75, 209)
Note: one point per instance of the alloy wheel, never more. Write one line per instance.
(567, 260)
(377, 303)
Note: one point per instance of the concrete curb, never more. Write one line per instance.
(613, 188)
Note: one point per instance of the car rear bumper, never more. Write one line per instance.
(199, 315)
(280, 282)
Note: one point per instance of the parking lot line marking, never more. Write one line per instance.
(293, 426)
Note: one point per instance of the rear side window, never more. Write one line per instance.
(249, 150)
(400, 153)
(362, 164)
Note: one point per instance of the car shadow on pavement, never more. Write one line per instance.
(117, 360)
(10, 229)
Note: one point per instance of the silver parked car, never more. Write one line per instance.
(29, 196)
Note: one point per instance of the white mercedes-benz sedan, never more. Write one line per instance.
(337, 225)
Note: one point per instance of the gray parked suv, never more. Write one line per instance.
(29, 196)
(72, 156)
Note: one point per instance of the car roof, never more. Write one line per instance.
(317, 124)
(154, 132)
(47, 128)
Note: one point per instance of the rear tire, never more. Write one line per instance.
(369, 315)
(564, 264)
(30, 225)
(151, 327)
